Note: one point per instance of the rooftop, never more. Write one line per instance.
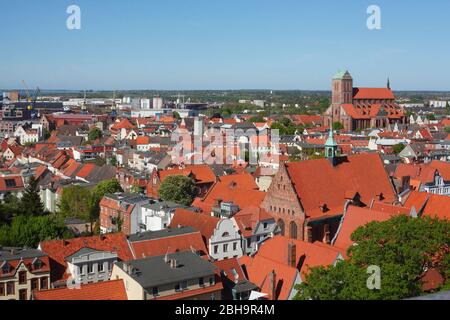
(155, 271)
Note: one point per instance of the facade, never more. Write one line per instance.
(362, 108)
(122, 212)
(91, 266)
(177, 276)
(157, 215)
(21, 272)
(308, 198)
(221, 236)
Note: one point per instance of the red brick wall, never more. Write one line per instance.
(283, 204)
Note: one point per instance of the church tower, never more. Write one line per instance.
(342, 88)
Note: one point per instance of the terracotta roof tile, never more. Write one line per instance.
(108, 290)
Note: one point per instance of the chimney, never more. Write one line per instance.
(292, 255)
(173, 264)
(273, 285)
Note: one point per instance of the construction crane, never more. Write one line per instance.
(31, 99)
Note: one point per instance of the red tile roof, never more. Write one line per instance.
(373, 93)
(354, 218)
(436, 206)
(108, 290)
(123, 124)
(228, 265)
(171, 244)
(312, 254)
(241, 189)
(201, 222)
(11, 183)
(318, 182)
(201, 172)
(28, 262)
(58, 250)
(248, 218)
(259, 269)
(143, 140)
(86, 170)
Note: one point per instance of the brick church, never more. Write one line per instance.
(308, 198)
(362, 108)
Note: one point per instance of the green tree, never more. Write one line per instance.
(402, 247)
(176, 115)
(75, 202)
(338, 126)
(179, 189)
(100, 190)
(29, 231)
(256, 119)
(95, 134)
(399, 148)
(447, 129)
(30, 203)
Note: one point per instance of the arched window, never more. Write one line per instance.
(293, 230)
(281, 226)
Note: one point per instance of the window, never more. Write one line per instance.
(184, 285)
(234, 246)
(2, 289)
(211, 281)
(90, 268)
(101, 267)
(10, 288)
(225, 248)
(22, 277)
(23, 294)
(155, 291)
(177, 287)
(201, 282)
(81, 270)
(266, 225)
(34, 284)
(216, 249)
(44, 283)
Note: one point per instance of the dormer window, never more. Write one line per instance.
(6, 267)
(37, 264)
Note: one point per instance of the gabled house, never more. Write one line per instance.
(93, 256)
(307, 198)
(23, 271)
(221, 236)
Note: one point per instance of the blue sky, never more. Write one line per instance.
(226, 44)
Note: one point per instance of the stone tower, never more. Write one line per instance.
(342, 88)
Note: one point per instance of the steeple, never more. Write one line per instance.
(388, 84)
(331, 147)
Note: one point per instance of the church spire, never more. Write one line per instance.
(388, 83)
(331, 146)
